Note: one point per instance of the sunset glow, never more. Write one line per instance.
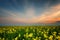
(39, 11)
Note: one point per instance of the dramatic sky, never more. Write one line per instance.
(29, 11)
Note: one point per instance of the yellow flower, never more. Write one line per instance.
(12, 39)
(54, 32)
(0, 38)
(51, 37)
(14, 30)
(45, 36)
(37, 38)
(23, 39)
(16, 38)
(58, 37)
(3, 39)
(19, 35)
(26, 35)
(46, 39)
(34, 39)
(31, 34)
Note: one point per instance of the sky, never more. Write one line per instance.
(29, 11)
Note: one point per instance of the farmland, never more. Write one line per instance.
(30, 33)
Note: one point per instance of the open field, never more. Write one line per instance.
(30, 33)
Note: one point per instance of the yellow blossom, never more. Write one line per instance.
(16, 38)
(19, 35)
(45, 36)
(51, 37)
(58, 37)
(31, 34)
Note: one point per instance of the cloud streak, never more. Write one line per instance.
(50, 15)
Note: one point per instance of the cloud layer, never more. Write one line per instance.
(50, 15)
